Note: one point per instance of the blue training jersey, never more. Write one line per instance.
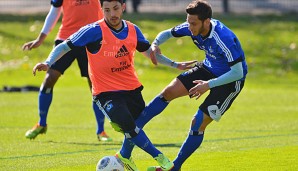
(92, 33)
(222, 47)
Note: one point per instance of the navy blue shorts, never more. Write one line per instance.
(220, 98)
(122, 107)
(65, 61)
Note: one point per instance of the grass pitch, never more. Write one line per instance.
(259, 132)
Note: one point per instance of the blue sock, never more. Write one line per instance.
(44, 102)
(155, 107)
(127, 148)
(189, 146)
(100, 118)
(192, 142)
(142, 141)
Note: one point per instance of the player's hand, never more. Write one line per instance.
(31, 45)
(35, 43)
(199, 89)
(40, 67)
(185, 65)
(155, 49)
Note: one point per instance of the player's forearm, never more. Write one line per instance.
(41, 37)
(161, 59)
(51, 20)
(57, 53)
(162, 37)
(234, 74)
(166, 61)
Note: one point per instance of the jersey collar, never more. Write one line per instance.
(124, 25)
(213, 24)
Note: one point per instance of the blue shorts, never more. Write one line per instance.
(122, 107)
(65, 61)
(220, 98)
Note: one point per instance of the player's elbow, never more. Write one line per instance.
(237, 71)
(238, 75)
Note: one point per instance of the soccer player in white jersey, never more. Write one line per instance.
(222, 72)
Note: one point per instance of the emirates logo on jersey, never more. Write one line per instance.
(81, 2)
(122, 52)
(123, 66)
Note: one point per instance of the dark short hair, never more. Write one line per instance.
(121, 1)
(200, 8)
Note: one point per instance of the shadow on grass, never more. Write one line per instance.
(115, 145)
(112, 143)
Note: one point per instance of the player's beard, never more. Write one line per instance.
(201, 29)
(115, 22)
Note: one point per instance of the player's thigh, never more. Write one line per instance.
(220, 99)
(135, 103)
(174, 90)
(65, 61)
(184, 82)
(115, 107)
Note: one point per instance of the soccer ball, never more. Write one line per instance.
(109, 163)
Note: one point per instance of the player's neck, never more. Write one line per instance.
(118, 28)
(207, 32)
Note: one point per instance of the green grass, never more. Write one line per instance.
(259, 132)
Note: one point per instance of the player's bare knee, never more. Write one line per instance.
(46, 90)
(197, 121)
(193, 121)
(206, 121)
(168, 93)
(202, 127)
(50, 79)
(48, 82)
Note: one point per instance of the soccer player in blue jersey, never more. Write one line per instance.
(111, 44)
(222, 72)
